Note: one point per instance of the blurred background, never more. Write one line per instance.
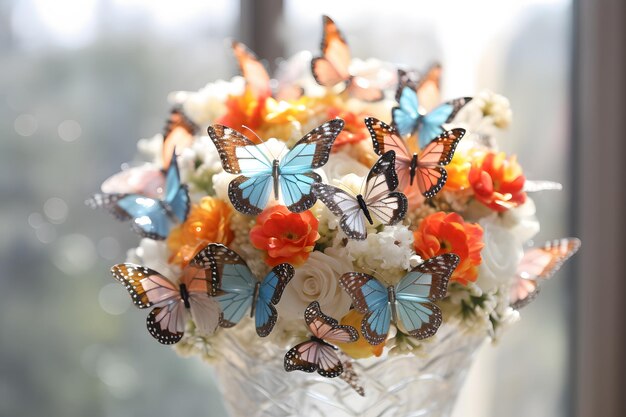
(82, 80)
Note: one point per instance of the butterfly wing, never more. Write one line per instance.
(332, 67)
(176, 194)
(149, 216)
(540, 264)
(179, 133)
(233, 277)
(388, 206)
(270, 292)
(145, 179)
(205, 312)
(146, 286)
(214, 257)
(428, 87)
(253, 71)
(327, 328)
(371, 298)
(430, 176)
(417, 314)
(249, 192)
(406, 115)
(431, 123)
(344, 206)
(385, 138)
(166, 322)
(302, 357)
(310, 152)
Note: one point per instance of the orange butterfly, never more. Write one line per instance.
(179, 133)
(424, 168)
(332, 67)
(427, 86)
(257, 78)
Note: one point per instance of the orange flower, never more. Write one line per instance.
(458, 171)
(354, 129)
(244, 110)
(498, 182)
(285, 236)
(207, 222)
(361, 348)
(448, 233)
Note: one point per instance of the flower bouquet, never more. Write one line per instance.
(339, 241)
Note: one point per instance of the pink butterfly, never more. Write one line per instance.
(318, 353)
(416, 168)
(332, 67)
(539, 264)
(173, 302)
(145, 179)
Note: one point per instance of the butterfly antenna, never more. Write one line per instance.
(267, 148)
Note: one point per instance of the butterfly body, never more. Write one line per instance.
(364, 208)
(276, 177)
(184, 294)
(409, 304)
(413, 168)
(378, 200)
(291, 176)
(239, 291)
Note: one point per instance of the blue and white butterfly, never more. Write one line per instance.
(377, 199)
(412, 116)
(293, 174)
(151, 217)
(408, 304)
(239, 291)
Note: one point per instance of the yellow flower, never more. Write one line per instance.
(361, 348)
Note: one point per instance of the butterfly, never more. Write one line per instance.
(146, 179)
(293, 174)
(424, 168)
(151, 217)
(408, 304)
(318, 353)
(537, 265)
(238, 289)
(378, 200)
(332, 67)
(257, 78)
(173, 302)
(412, 116)
(427, 86)
(179, 133)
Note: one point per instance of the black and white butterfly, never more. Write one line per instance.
(376, 200)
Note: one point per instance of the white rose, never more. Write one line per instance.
(501, 255)
(341, 164)
(317, 280)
